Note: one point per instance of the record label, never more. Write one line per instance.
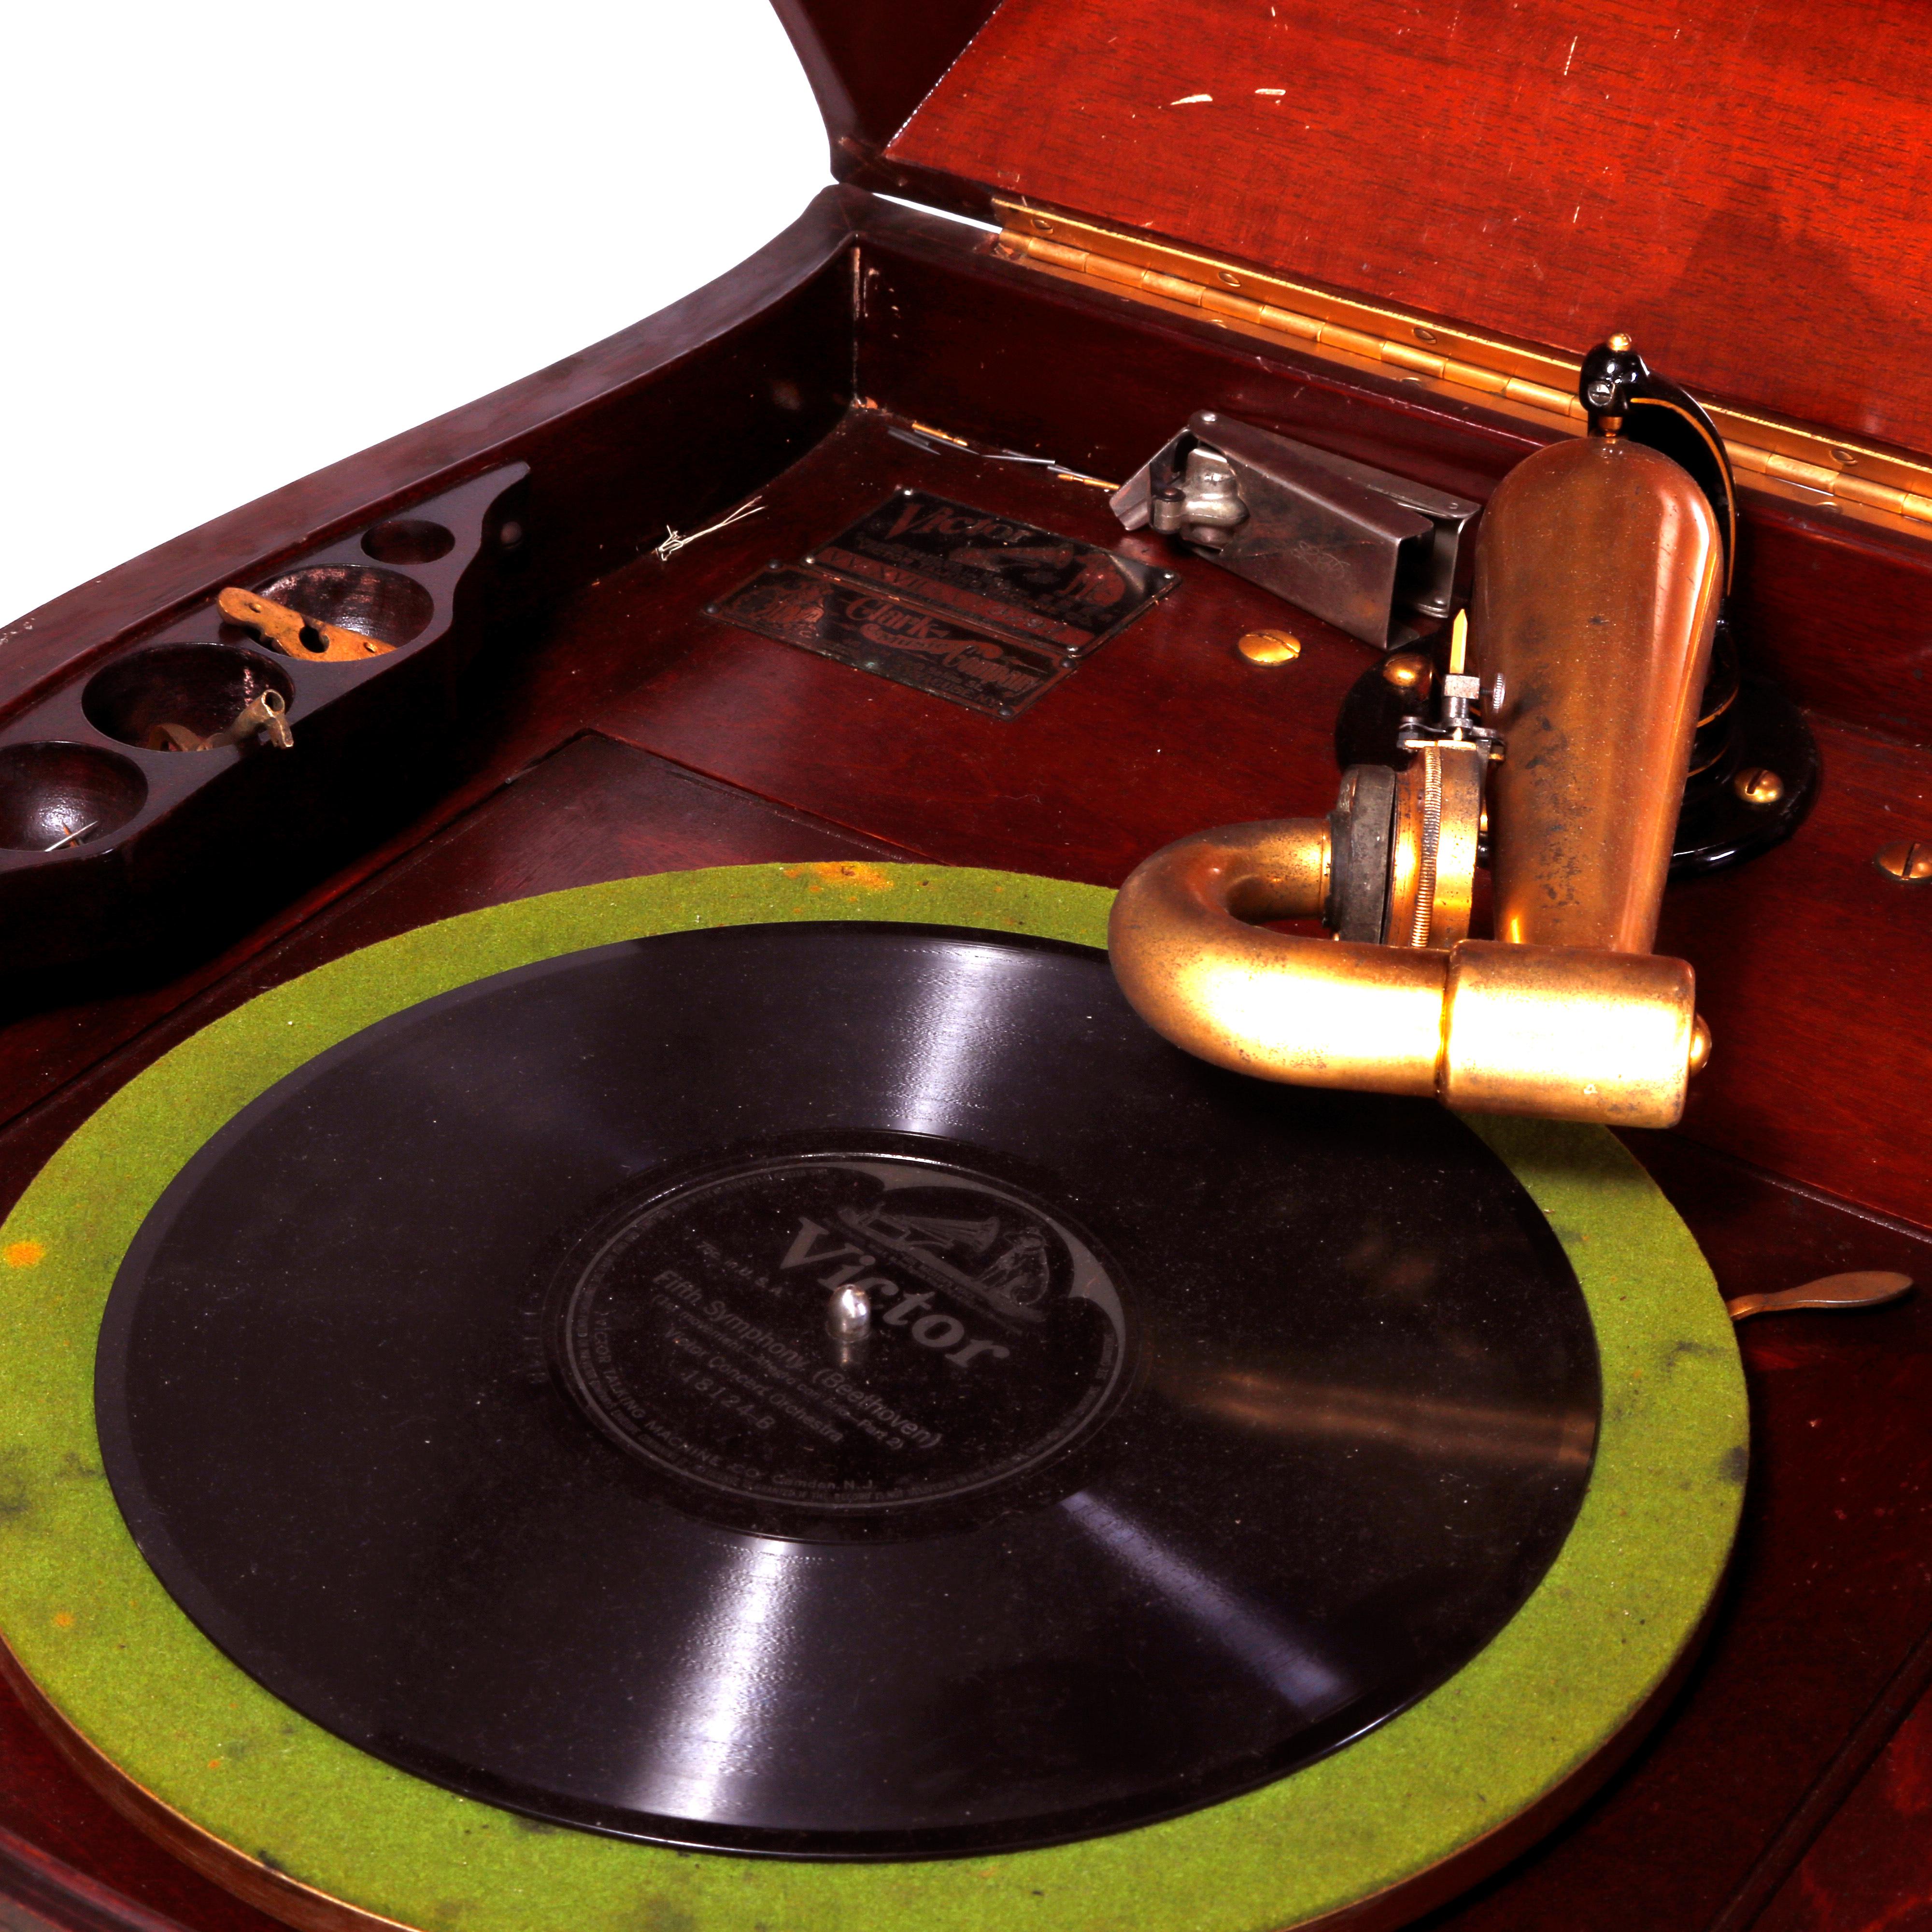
(699, 1335)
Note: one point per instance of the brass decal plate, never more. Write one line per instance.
(983, 609)
(1028, 583)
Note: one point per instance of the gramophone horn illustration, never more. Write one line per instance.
(1564, 728)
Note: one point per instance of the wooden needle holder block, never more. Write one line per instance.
(110, 840)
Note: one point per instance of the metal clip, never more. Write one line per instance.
(308, 639)
(1204, 505)
(1375, 555)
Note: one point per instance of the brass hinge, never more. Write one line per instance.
(1538, 384)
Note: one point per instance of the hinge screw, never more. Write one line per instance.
(1909, 860)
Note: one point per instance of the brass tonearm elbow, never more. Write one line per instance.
(1599, 570)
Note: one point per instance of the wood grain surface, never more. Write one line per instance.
(614, 728)
(1836, 606)
(1804, 957)
(1871, 1871)
(1736, 182)
(870, 62)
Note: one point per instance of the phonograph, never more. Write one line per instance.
(941, 1100)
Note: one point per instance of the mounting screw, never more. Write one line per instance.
(1758, 784)
(1409, 672)
(1910, 861)
(1270, 647)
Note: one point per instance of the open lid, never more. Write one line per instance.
(1737, 183)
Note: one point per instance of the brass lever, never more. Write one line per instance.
(1867, 1288)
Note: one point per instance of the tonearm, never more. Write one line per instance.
(1563, 728)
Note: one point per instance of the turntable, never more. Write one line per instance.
(638, 1297)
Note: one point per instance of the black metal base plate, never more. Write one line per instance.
(1716, 827)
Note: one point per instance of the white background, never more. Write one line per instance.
(240, 239)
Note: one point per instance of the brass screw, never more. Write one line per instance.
(1909, 860)
(1621, 342)
(1227, 279)
(1700, 1045)
(1409, 672)
(1758, 784)
(1270, 647)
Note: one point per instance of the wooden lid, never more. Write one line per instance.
(1737, 183)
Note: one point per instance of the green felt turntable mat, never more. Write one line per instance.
(112, 1654)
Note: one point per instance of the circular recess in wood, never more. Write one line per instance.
(408, 540)
(56, 797)
(381, 604)
(204, 687)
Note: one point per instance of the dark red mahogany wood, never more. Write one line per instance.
(1167, 729)
(201, 841)
(681, 413)
(1734, 182)
(613, 728)
(870, 62)
(1834, 606)
(1871, 1869)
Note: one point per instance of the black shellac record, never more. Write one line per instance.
(474, 1390)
